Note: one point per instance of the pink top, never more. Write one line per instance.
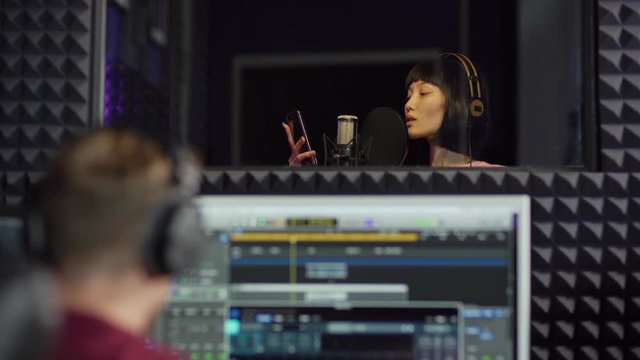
(483, 164)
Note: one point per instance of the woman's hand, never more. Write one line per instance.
(297, 158)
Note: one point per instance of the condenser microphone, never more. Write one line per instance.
(346, 135)
(346, 150)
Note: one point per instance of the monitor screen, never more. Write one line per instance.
(327, 251)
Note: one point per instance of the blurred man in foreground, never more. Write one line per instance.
(96, 201)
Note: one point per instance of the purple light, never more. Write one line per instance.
(109, 95)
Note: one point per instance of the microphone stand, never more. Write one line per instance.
(349, 154)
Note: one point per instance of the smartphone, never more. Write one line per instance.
(296, 124)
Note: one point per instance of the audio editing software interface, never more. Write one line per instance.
(357, 277)
(303, 331)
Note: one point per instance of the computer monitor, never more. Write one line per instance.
(330, 250)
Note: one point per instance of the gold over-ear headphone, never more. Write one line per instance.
(476, 105)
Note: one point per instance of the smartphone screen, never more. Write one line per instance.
(296, 124)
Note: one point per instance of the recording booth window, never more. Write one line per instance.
(231, 90)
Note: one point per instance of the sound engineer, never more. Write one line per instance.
(96, 200)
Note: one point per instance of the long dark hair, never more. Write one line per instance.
(458, 132)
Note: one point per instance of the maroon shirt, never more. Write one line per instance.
(83, 337)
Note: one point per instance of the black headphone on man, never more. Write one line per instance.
(173, 235)
(476, 103)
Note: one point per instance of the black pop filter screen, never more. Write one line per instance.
(387, 131)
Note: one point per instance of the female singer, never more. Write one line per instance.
(446, 106)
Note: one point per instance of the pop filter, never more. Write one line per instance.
(385, 129)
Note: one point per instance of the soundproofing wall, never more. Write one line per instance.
(619, 84)
(48, 90)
